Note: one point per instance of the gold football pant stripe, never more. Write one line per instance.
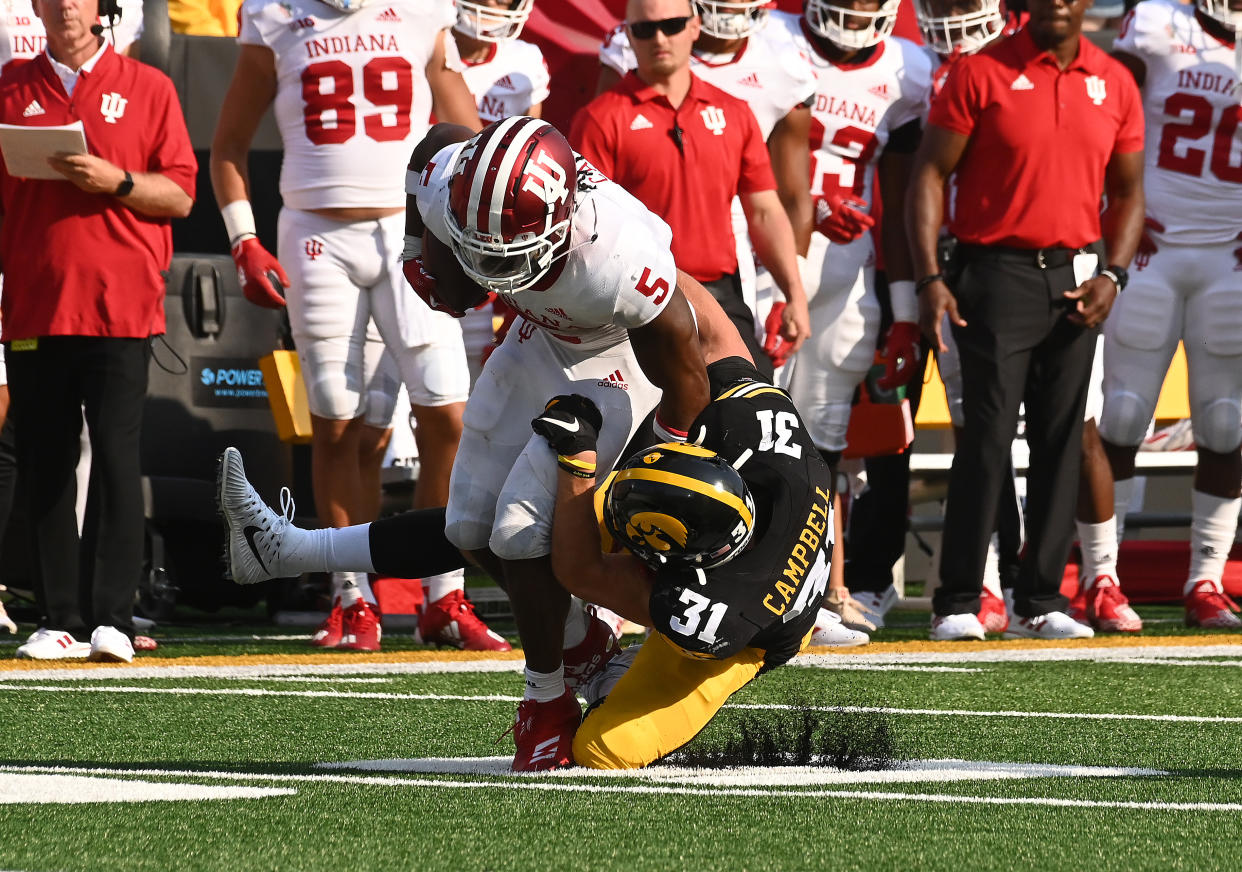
(661, 703)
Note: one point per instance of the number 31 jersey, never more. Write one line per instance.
(1193, 172)
(352, 96)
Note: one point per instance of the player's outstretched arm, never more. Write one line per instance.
(620, 582)
(669, 353)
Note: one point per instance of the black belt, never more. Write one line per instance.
(1040, 258)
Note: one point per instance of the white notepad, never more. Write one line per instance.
(26, 149)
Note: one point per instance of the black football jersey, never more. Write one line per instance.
(769, 595)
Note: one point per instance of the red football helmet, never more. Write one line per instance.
(511, 202)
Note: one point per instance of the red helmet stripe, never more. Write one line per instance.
(515, 150)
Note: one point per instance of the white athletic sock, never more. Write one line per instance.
(576, 623)
(544, 686)
(1099, 550)
(351, 587)
(991, 568)
(1213, 523)
(1123, 492)
(437, 587)
(347, 549)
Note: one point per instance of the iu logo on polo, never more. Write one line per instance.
(1096, 90)
(714, 119)
(314, 248)
(112, 106)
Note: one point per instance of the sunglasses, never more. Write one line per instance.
(667, 26)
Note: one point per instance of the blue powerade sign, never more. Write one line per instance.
(228, 382)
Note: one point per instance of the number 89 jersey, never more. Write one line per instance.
(352, 96)
(769, 595)
(1193, 173)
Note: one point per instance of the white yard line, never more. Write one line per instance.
(537, 783)
(442, 697)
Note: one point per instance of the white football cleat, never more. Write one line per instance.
(953, 628)
(5, 621)
(1053, 625)
(832, 633)
(259, 539)
(876, 605)
(45, 644)
(110, 645)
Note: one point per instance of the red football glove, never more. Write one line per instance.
(776, 346)
(424, 284)
(842, 218)
(1147, 246)
(901, 355)
(261, 276)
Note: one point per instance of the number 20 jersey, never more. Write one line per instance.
(769, 595)
(1191, 99)
(352, 96)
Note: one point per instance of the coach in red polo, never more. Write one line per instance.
(685, 148)
(1035, 128)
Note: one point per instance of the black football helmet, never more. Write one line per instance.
(678, 505)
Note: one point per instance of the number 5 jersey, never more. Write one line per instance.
(349, 77)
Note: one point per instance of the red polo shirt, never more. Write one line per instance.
(1040, 139)
(628, 133)
(82, 264)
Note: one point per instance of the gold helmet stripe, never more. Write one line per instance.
(685, 482)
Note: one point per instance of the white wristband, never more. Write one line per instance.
(238, 221)
(413, 181)
(905, 302)
(413, 248)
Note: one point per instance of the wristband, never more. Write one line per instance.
(904, 299)
(413, 248)
(238, 221)
(667, 433)
(927, 280)
(576, 468)
(413, 180)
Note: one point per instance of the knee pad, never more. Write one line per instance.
(328, 395)
(828, 425)
(1218, 427)
(466, 534)
(520, 534)
(1125, 418)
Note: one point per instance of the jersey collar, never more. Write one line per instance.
(717, 64)
(868, 57)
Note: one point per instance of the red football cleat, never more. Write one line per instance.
(360, 630)
(590, 655)
(451, 621)
(544, 733)
(1108, 610)
(329, 633)
(1207, 606)
(992, 613)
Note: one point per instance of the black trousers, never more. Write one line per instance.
(91, 583)
(1017, 347)
(727, 290)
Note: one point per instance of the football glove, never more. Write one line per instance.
(901, 355)
(1147, 246)
(776, 346)
(261, 276)
(842, 218)
(424, 284)
(570, 424)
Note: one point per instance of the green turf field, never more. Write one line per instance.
(1004, 756)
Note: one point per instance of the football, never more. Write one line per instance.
(453, 286)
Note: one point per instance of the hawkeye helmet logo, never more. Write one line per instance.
(112, 106)
(657, 530)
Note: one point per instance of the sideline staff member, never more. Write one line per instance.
(685, 148)
(83, 293)
(1035, 127)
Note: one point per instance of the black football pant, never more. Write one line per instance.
(727, 291)
(91, 583)
(1017, 347)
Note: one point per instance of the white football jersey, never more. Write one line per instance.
(770, 73)
(509, 81)
(24, 37)
(858, 106)
(619, 273)
(1193, 173)
(352, 97)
